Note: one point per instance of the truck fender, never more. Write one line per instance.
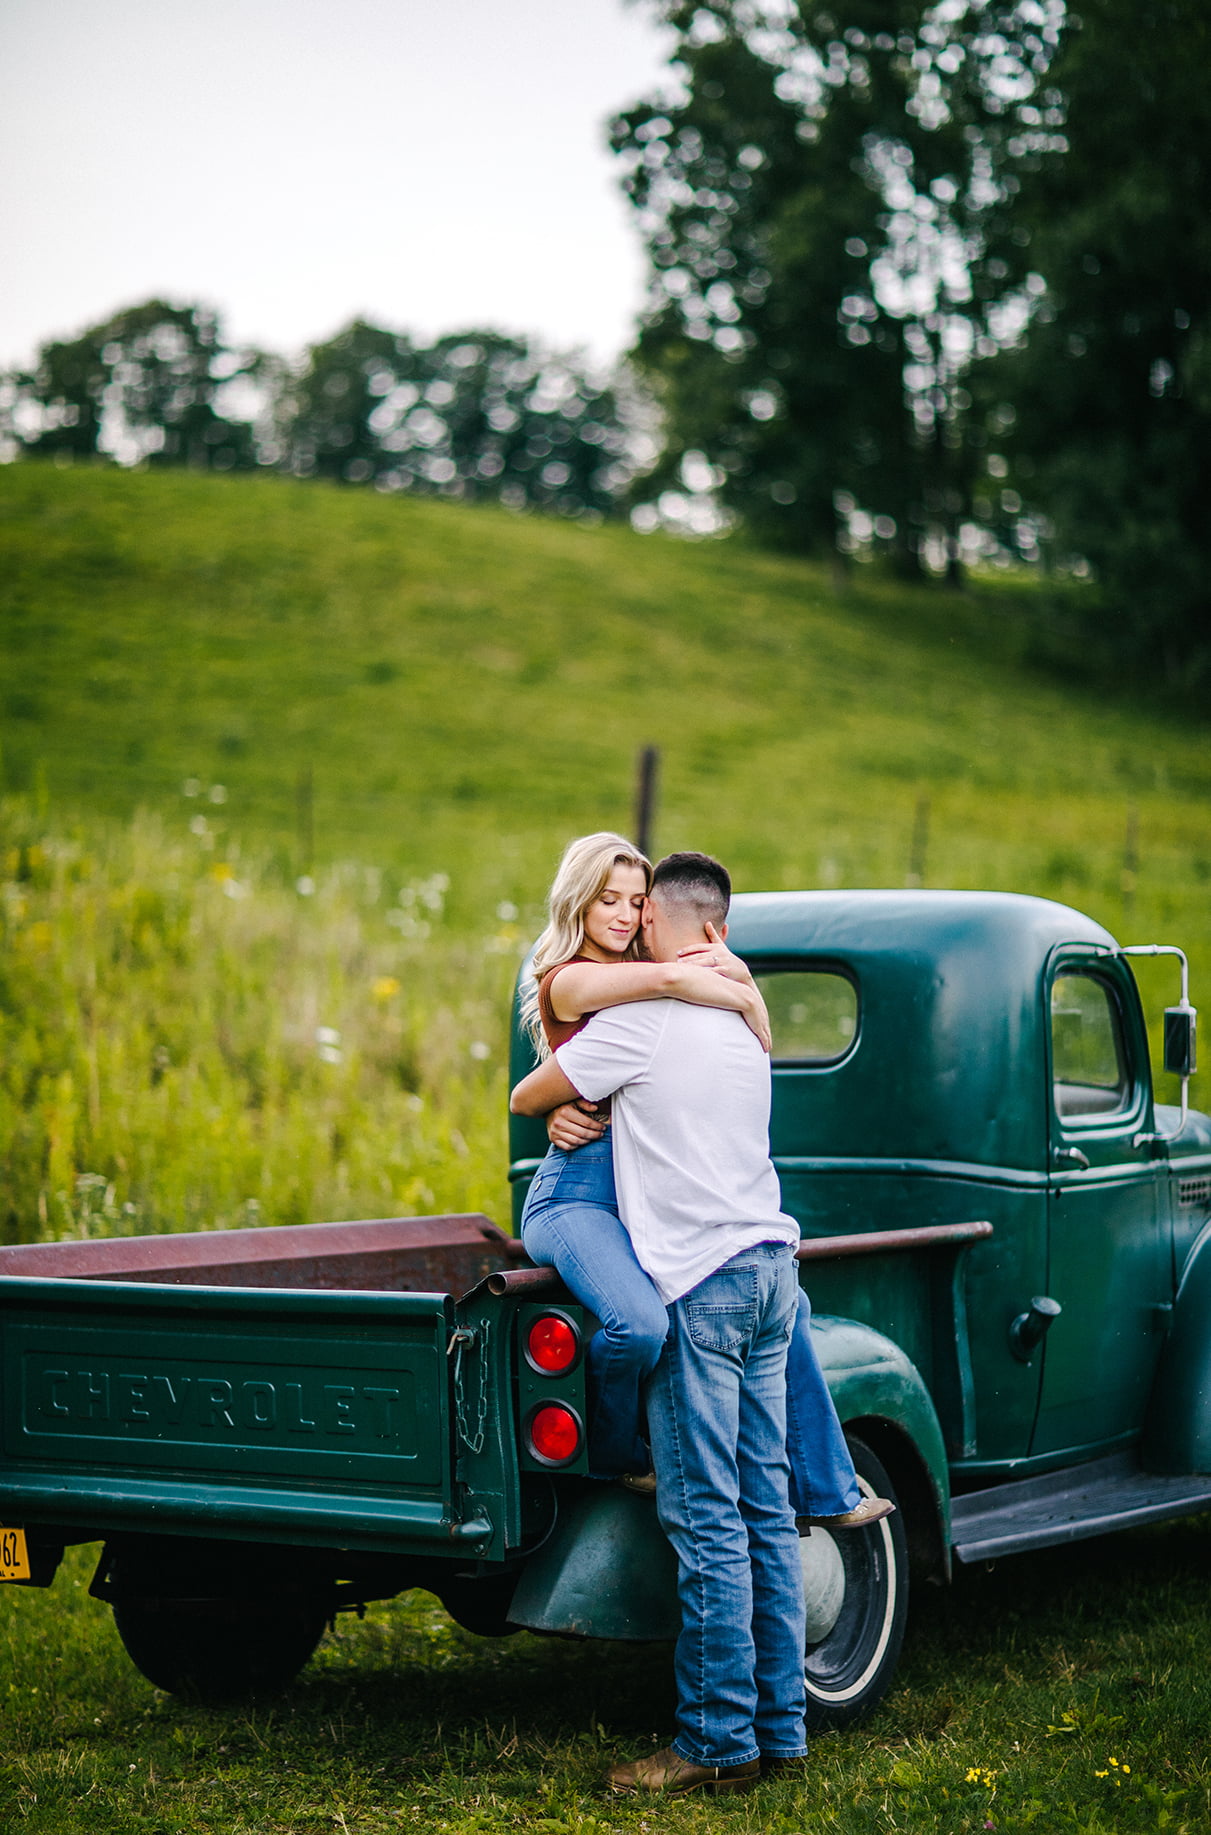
(606, 1570)
(881, 1397)
(1177, 1428)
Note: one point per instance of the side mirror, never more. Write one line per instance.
(1181, 1041)
(1181, 1022)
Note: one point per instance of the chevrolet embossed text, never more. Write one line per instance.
(156, 1403)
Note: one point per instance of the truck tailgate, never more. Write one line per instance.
(318, 1417)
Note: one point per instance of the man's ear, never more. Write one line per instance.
(723, 933)
(646, 916)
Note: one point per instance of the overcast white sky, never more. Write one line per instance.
(428, 164)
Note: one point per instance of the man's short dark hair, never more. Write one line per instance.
(694, 882)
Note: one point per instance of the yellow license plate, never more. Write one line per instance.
(14, 1556)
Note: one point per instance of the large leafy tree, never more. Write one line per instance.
(475, 415)
(155, 383)
(1112, 381)
(827, 203)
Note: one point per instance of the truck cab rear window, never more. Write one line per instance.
(1089, 1068)
(813, 1014)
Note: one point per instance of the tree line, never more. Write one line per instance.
(475, 415)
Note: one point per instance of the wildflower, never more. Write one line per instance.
(479, 1050)
(384, 987)
(305, 886)
(328, 1044)
(218, 793)
(191, 787)
(506, 911)
(222, 870)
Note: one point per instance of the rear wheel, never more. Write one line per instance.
(856, 1586)
(218, 1650)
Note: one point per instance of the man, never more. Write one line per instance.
(700, 1200)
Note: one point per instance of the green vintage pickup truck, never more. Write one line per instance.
(1005, 1238)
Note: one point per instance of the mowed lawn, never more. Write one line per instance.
(1065, 1691)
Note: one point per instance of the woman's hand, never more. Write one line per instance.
(756, 1018)
(575, 1124)
(716, 954)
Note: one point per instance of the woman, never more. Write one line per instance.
(587, 959)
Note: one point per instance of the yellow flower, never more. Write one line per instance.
(385, 987)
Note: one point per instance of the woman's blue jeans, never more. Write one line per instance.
(570, 1223)
(822, 1478)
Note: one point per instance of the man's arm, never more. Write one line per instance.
(544, 1089)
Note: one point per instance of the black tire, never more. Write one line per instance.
(850, 1668)
(217, 1650)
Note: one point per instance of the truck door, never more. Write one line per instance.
(1109, 1263)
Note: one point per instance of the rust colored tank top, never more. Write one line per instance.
(558, 1031)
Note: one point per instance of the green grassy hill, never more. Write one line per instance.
(469, 688)
(462, 690)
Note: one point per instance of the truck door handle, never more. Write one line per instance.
(1030, 1328)
(1069, 1156)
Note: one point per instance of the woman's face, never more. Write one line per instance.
(612, 919)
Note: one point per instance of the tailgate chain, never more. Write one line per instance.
(463, 1340)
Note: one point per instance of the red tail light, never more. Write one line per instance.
(554, 1434)
(552, 1344)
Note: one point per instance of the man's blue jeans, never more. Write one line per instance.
(717, 1420)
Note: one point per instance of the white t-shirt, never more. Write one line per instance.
(691, 1089)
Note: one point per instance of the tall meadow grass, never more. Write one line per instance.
(190, 1043)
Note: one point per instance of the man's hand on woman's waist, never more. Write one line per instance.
(575, 1124)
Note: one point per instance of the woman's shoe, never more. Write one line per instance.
(869, 1510)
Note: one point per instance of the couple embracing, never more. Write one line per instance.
(660, 1208)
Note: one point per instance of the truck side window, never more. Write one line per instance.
(813, 1014)
(1089, 1065)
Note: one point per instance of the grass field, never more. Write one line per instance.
(1065, 1692)
(214, 689)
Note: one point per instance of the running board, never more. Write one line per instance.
(1086, 1500)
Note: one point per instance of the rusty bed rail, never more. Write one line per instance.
(883, 1242)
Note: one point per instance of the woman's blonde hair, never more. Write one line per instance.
(583, 875)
